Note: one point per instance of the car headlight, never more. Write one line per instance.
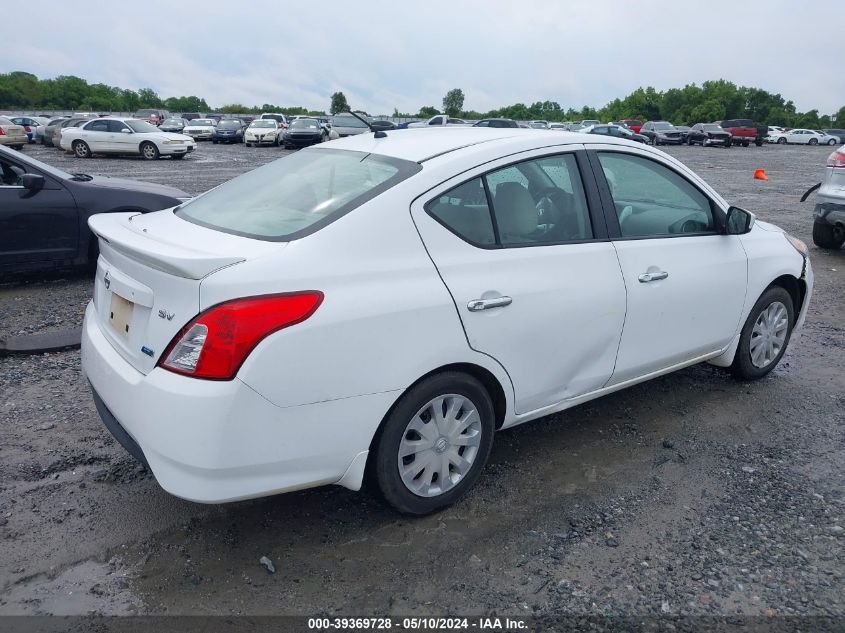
(171, 141)
(797, 244)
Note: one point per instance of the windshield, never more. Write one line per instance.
(201, 122)
(347, 121)
(296, 195)
(305, 123)
(712, 127)
(264, 123)
(172, 122)
(229, 124)
(141, 126)
(663, 125)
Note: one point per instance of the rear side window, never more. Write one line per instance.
(464, 211)
(652, 200)
(296, 195)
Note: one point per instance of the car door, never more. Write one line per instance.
(124, 142)
(522, 248)
(686, 282)
(96, 134)
(40, 226)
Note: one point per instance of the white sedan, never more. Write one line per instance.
(263, 132)
(124, 136)
(803, 136)
(294, 326)
(200, 129)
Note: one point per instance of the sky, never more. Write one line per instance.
(391, 54)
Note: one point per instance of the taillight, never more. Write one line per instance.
(836, 160)
(216, 342)
(2, 132)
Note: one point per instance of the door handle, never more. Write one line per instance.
(477, 305)
(656, 276)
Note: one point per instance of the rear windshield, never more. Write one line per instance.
(296, 195)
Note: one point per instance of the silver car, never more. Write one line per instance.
(829, 224)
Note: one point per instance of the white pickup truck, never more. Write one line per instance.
(440, 119)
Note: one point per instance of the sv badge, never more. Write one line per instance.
(164, 314)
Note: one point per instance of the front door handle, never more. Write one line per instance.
(655, 276)
(477, 305)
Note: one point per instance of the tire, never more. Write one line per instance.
(81, 149)
(149, 151)
(728, 143)
(690, 142)
(759, 142)
(828, 236)
(177, 156)
(755, 360)
(414, 410)
(832, 142)
(813, 141)
(215, 142)
(276, 142)
(782, 140)
(745, 143)
(248, 144)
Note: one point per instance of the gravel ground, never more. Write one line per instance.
(692, 494)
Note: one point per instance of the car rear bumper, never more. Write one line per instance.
(17, 139)
(217, 441)
(829, 211)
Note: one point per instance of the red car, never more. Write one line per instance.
(744, 132)
(635, 125)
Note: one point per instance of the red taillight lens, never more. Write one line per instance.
(215, 344)
(2, 132)
(836, 160)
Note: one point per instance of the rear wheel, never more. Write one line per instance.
(81, 149)
(782, 141)
(765, 335)
(813, 141)
(149, 151)
(828, 236)
(435, 443)
(745, 143)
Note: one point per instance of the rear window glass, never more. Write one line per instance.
(296, 195)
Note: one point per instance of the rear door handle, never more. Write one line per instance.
(477, 305)
(656, 276)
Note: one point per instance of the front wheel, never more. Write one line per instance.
(813, 141)
(149, 151)
(832, 141)
(781, 141)
(81, 149)
(765, 335)
(435, 443)
(828, 236)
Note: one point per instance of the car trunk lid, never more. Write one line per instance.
(147, 285)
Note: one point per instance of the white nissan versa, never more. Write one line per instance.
(390, 301)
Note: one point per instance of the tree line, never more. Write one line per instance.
(711, 101)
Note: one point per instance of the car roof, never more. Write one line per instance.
(421, 144)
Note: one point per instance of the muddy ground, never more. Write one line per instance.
(690, 494)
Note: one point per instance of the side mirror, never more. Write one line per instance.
(32, 183)
(126, 130)
(739, 221)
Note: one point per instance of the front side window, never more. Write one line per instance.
(11, 174)
(652, 200)
(296, 195)
(141, 127)
(483, 124)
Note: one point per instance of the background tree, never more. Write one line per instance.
(148, 98)
(426, 112)
(339, 103)
(453, 102)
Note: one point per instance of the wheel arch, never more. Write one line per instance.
(797, 289)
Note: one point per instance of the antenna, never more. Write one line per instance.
(376, 133)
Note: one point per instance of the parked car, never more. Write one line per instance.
(132, 137)
(214, 116)
(229, 131)
(200, 129)
(71, 122)
(190, 116)
(827, 139)
(440, 119)
(12, 134)
(684, 130)
(263, 132)
(30, 125)
(772, 130)
(304, 132)
(829, 222)
(151, 116)
(744, 131)
(173, 124)
(661, 133)
(50, 129)
(708, 134)
(496, 123)
(559, 126)
(347, 125)
(272, 351)
(614, 130)
(635, 125)
(276, 116)
(839, 134)
(44, 211)
(538, 125)
(803, 136)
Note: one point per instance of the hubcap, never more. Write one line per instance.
(439, 445)
(769, 334)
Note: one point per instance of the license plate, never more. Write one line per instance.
(120, 314)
